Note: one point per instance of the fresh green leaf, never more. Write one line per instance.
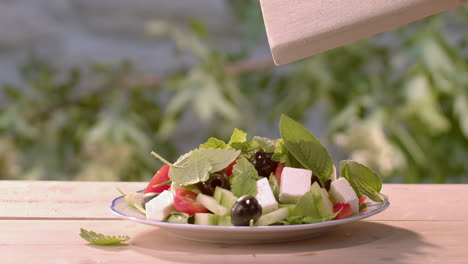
(362, 206)
(274, 185)
(265, 144)
(311, 219)
(196, 165)
(190, 169)
(363, 180)
(306, 206)
(100, 239)
(294, 220)
(298, 220)
(303, 145)
(247, 148)
(282, 155)
(214, 143)
(238, 136)
(244, 178)
(219, 158)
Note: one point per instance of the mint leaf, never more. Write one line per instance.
(100, 239)
(268, 145)
(363, 180)
(190, 169)
(306, 206)
(196, 165)
(303, 145)
(244, 178)
(310, 219)
(294, 220)
(214, 143)
(282, 155)
(238, 136)
(247, 148)
(274, 185)
(219, 158)
(298, 220)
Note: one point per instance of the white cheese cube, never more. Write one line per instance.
(159, 207)
(342, 192)
(294, 184)
(265, 196)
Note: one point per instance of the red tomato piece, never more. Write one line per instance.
(362, 199)
(161, 176)
(362, 205)
(345, 212)
(228, 169)
(184, 202)
(278, 171)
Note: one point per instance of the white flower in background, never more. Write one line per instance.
(368, 145)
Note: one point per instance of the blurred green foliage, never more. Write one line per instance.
(397, 102)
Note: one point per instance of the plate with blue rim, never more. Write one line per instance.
(242, 234)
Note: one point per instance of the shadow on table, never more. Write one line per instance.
(358, 242)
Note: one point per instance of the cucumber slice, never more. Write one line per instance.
(228, 199)
(205, 219)
(224, 220)
(322, 202)
(225, 197)
(291, 207)
(178, 218)
(211, 204)
(218, 192)
(272, 217)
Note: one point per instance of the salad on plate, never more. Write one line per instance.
(258, 182)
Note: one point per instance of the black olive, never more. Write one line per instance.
(219, 178)
(148, 197)
(263, 163)
(244, 210)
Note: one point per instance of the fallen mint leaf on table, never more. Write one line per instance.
(100, 239)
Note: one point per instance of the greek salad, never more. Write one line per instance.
(257, 182)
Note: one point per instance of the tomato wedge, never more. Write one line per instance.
(162, 175)
(345, 212)
(362, 199)
(228, 169)
(184, 202)
(362, 204)
(278, 171)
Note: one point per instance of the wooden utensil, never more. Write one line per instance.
(297, 29)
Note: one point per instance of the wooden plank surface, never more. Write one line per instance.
(91, 200)
(57, 241)
(40, 223)
(55, 199)
(297, 29)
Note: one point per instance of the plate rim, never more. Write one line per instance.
(385, 205)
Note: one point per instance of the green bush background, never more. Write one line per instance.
(397, 102)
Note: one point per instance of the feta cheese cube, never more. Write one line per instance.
(159, 207)
(342, 192)
(265, 196)
(294, 184)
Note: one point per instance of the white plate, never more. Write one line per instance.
(241, 234)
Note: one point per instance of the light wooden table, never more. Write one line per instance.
(40, 223)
